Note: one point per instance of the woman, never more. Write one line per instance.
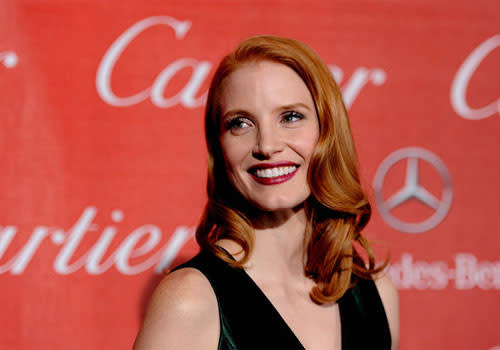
(280, 237)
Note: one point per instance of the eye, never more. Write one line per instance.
(292, 116)
(237, 123)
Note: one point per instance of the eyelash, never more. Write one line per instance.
(234, 123)
(294, 114)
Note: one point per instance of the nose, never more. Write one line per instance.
(268, 142)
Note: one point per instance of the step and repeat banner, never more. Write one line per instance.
(103, 159)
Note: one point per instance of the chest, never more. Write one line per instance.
(251, 319)
(316, 326)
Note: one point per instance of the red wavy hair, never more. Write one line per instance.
(337, 209)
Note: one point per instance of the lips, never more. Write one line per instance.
(273, 173)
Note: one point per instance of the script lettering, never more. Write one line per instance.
(140, 243)
(186, 96)
(189, 96)
(18, 263)
(461, 82)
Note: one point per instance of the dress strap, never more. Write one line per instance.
(363, 319)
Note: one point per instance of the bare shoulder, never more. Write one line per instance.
(390, 300)
(183, 304)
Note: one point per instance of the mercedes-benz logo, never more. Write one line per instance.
(412, 189)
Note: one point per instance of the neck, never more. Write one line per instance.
(279, 244)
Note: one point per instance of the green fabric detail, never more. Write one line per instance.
(358, 298)
(226, 341)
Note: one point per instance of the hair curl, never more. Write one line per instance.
(337, 209)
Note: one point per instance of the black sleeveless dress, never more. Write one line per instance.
(248, 320)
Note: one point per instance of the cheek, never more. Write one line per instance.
(306, 144)
(234, 155)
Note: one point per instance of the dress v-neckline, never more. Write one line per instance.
(271, 305)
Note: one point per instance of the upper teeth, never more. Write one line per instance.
(274, 172)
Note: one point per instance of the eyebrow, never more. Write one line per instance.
(280, 108)
(233, 112)
(293, 106)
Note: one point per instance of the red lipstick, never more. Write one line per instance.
(272, 180)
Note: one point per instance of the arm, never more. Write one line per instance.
(390, 300)
(182, 314)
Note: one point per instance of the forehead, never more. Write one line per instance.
(263, 84)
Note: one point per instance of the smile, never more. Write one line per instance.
(268, 174)
(275, 172)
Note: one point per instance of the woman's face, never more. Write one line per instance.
(269, 129)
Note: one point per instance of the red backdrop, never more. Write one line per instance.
(103, 158)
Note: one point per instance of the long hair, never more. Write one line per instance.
(337, 209)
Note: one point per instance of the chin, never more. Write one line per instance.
(274, 204)
(272, 199)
